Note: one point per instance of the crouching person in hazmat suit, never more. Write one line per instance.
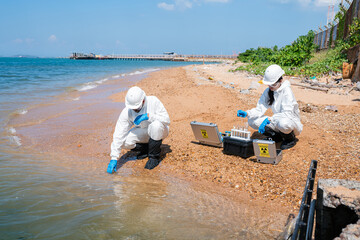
(285, 124)
(141, 127)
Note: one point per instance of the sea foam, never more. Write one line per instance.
(144, 71)
(92, 85)
(16, 140)
(22, 111)
(102, 80)
(12, 130)
(86, 87)
(13, 138)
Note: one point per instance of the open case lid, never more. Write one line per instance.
(206, 133)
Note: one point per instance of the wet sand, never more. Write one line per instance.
(81, 137)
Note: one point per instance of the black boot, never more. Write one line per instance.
(142, 149)
(289, 140)
(154, 154)
(271, 134)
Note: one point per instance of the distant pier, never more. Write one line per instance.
(159, 57)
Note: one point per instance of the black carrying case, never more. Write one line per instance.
(238, 147)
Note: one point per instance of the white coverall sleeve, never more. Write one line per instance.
(122, 128)
(261, 106)
(160, 114)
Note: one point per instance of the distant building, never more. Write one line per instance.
(82, 56)
(169, 53)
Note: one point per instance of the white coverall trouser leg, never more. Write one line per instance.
(284, 125)
(156, 130)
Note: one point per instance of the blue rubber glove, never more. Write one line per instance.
(112, 166)
(241, 113)
(263, 124)
(140, 118)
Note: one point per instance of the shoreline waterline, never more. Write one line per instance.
(149, 199)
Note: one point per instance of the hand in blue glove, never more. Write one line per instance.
(112, 166)
(263, 124)
(241, 113)
(140, 118)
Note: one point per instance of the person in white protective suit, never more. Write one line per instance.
(285, 124)
(141, 127)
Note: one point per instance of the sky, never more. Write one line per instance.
(50, 28)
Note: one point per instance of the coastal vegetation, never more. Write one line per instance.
(302, 57)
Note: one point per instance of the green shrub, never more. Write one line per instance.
(294, 58)
(354, 33)
(298, 53)
(256, 55)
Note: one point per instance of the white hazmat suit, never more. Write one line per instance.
(156, 127)
(286, 116)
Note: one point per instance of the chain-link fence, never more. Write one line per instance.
(335, 31)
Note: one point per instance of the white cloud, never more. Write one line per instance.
(167, 7)
(183, 4)
(52, 38)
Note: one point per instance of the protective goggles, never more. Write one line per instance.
(276, 84)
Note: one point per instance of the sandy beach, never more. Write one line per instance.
(65, 70)
(331, 138)
(211, 93)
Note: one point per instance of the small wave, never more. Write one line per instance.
(76, 99)
(102, 80)
(91, 85)
(16, 140)
(144, 71)
(13, 138)
(152, 70)
(86, 87)
(21, 111)
(135, 73)
(12, 130)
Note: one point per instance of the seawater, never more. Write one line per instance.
(40, 200)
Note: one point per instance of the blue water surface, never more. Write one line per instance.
(37, 200)
(24, 80)
(43, 200)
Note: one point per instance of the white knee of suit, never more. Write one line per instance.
(158, 130)
(285, 125)
(135, 135)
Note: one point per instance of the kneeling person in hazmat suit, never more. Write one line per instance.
(285, 124)
(151, 122)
